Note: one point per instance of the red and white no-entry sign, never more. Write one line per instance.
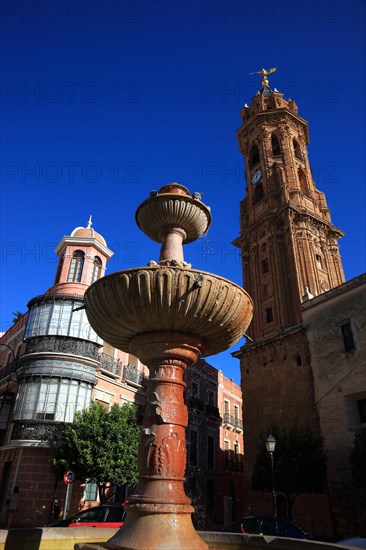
(69, 477)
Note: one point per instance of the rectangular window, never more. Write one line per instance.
(236, 452)
(91, 491)
(210, 497)
(6, 403)
(347, 336)
(193, 439)
(211, 398)
(191, 487)
(268, 315)
(361, 409)
(210, 452)
(55, 318)
(265, 266)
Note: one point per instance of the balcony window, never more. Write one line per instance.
(76, 267)
(133, 375)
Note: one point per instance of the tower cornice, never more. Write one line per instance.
(269, 117)
(83, 241)
(294, 211)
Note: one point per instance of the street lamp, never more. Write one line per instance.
(271, 445)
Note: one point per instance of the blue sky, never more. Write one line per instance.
(103, 101)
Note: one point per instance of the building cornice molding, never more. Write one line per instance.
(83, 241)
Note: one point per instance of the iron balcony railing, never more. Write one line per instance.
(196, 404)
(133, 375)
(62, 344)
(211, 410)
(233, 421)
(233, 465)
(109, 364)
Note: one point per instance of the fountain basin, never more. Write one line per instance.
(128, 303)
(173, 207)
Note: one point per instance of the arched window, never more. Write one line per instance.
(76, 267)
(303, 182)
(297, 150)
(276, 147)
(258, 193)
(254, 156)
(97, 269)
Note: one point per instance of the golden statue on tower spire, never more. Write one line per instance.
(264, 73)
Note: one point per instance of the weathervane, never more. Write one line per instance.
(264, 74)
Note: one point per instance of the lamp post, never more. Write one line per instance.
(271, 445)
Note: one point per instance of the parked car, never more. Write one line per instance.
(107, 515)
(356, 542)
(269, 525)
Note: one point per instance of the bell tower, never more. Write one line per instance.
(288, 243)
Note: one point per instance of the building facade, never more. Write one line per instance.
(290, 254)
(335, 325)
(53, 364)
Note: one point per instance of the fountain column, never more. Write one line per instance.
(168, 315)
(159, 512)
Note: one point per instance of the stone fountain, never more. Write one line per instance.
(168, 315)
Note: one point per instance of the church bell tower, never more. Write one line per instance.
(288, 243)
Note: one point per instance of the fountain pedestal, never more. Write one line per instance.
(159, 512)
(168, 315)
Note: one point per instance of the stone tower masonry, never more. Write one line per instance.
(290, 253)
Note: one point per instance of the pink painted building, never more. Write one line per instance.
(53, 364)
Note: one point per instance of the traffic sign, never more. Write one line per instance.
(69, 476)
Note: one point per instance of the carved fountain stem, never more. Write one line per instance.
(167, 315)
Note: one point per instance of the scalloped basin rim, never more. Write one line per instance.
(162, 267)
(167, 299)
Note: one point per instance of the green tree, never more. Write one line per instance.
(100, 447)
(299, 464)
(358, 459)
(17, 316)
